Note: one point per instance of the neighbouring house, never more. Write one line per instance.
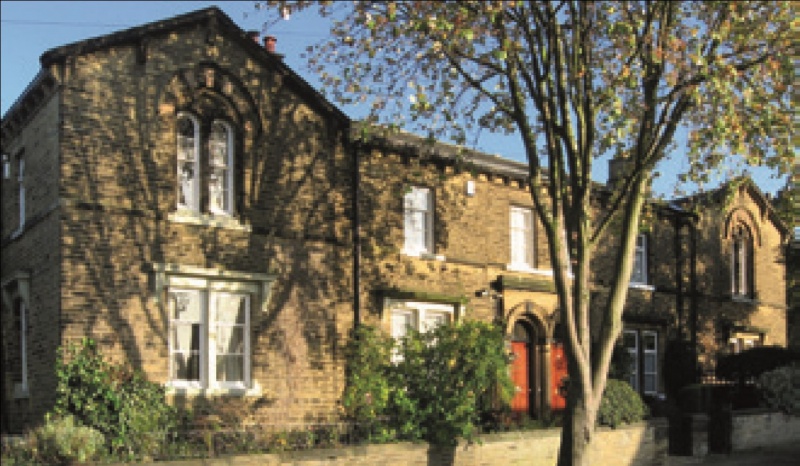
(177, 193)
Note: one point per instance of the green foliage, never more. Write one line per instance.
(129, 410)
(753, 362)
(781, 389)
(445, 373)
(621, 363)
(442, 384)
(366, 398)
(620, 405)
(63, 441)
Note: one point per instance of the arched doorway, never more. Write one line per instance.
(524, 369)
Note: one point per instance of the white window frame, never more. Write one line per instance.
(194, 205)
(228, 187)
(653, 353)
(743, 341)
(522, 256)
(208, 290)
(418, 241)
(16, 289)
(740, 262)
(640, 259)
(639, 354)
(23, 345)
(22, 195)
(419, 313)
(634, 354)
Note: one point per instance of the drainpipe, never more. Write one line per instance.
(693, 291)
(356, 200)
(679, 272)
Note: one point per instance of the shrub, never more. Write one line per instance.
(781, 389)
(750, 364)
(621, 363)
(130, 411)
(448, 376)
(61, 441)
(366, 395)
(442, 385)
(620, 405)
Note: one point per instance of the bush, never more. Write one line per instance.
(781, 389)
(444, 383)
(750, 364)
(621, 363)
(620, 405)
(61, 441)
(447, 377)
(130, 411)
(366, 396)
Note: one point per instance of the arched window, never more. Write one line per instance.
(205, 165)
(188, 162)
(741, 262)
(220, 161)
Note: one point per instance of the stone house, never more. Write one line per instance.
(177, 193)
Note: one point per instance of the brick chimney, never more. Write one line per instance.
(269, 43)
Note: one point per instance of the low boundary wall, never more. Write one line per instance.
(641, 444)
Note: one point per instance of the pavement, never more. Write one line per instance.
(779, 455)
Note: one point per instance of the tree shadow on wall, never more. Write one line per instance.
(295, 179)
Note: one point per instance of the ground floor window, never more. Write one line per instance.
(15, 291)
(209, 337)
(743, 341)
(642, 346)
(419, 316)
(210, 325)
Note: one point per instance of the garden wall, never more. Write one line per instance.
(753, 429)
(640, 444)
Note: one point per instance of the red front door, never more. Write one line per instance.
(558, 373)
(520, 375)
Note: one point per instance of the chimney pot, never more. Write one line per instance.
(269, 43)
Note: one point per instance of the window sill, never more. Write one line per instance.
(526, 269)
(425, 256)
(188, 391)
(17, 233)
(21, 391)
(641, 286)
(189, 217)
(743, 299)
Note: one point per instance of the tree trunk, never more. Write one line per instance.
(576, 432)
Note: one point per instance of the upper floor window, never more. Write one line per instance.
(220, 176)
(522, 239)
(21, 183)
(741, 262)
(188, 162)
(418, 221)
(639, 274)
(205, 165)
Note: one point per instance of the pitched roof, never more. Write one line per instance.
(215, 19)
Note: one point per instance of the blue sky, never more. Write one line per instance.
(29, 28)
